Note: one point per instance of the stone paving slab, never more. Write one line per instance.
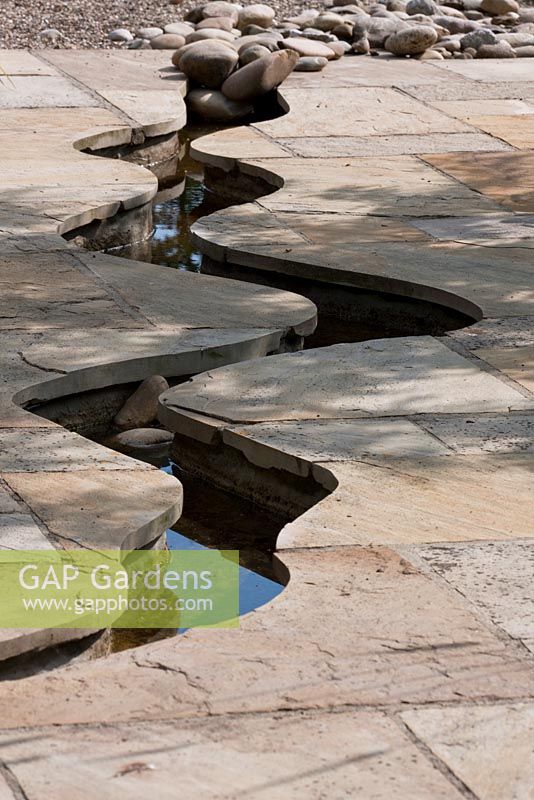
(42, 91)
(508, 89)
(490, 70)
(386, 377)
(475, 280)
(516, 130)
(19, 532)
(511, 230)
(471, 434)
(150, 503)
(399, 144)
(336, 440)
(297, 755)
(467, 109)
(489, 748)
(518, 364)
(57, 450)
(495, 576)
(514, 186)
(410, 640)
(369, 111)
(491, 498)
(415, 189)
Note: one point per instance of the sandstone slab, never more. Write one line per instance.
(381, 632)
(387, 377)
(517, 363)
(489, 748)
(494, 576)
(118, 509)
(506, 178)
(367, 112)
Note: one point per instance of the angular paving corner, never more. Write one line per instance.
(399, 659)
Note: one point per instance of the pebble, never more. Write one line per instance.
(167, 41)
(361, 46)
(213, 105)
(51, 35)
(425, 7)
(120, 35)
(526, 51)
(252, 53)
(145, 443)
(219, 8)
(338, 48)
(260, 77)
(209, 33)
(325, 22)
(181, 28)
(411, 42)
(148, 33)
(209, 63)
(498, 7)
(139, 44)
(499, 50)
(220, 23)
(256, 14)
(311, 64)
(477, 38)
(141, 408)
(305, 47)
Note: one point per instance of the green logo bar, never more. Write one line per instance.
(119, 589)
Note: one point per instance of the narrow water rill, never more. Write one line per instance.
(248, 513)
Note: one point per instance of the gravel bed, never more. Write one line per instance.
(87, 24)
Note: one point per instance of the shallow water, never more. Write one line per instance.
(215, 519)
(254, 589)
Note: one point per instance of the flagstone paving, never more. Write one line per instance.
(399, 658)
(73, 321)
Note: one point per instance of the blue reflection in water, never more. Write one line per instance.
(254, 589)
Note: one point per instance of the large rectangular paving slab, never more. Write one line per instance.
(471, 434)
(20, 62)
(389, 500)
(506, 178)
(490, 70)
(31, 91)
(399, 144)
(511, 230)
(357, 186)
(385, 71)
(466, 109)
(44, 291)
(515, 130)
(20, 532)
(292, 755)
(325, 440)
(454, 90)
(379, 378)
(495, 576)
(110, 69)
(57, 450)
(488, 747)
(367, 111)
(518, 363)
